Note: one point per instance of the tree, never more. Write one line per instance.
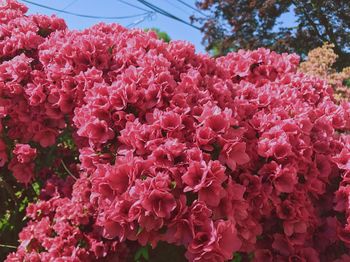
(235, 24)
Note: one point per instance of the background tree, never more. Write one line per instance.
(235, 24)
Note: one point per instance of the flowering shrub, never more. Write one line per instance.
(136, 142)
(319, 63)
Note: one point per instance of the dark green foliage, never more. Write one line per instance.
(231, 25)
(15, 197)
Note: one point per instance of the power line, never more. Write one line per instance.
(178, 7)
(70, 4)
(132, 5)
(83, 15)
(165, 13)
(189, 6)
(149, 16)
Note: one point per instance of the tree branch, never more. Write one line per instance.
(308, 18)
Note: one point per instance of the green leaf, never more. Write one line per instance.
(36, 188)
(161, 35)
(18, 194)
(81, 243)
(110, 49)
(5, 221)
(139, 230)
(142, 252)
(145, 254)
(23, 204)
(347, 82)
(236, 257)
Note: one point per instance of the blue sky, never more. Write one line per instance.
(175, 29)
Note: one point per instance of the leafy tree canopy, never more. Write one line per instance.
(235, 24)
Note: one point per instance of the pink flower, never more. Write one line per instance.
(218, 123)
(170, 121)
(46, 137)
(119, 177)
(24, 153)
(285, 179)
(343, 159)
(195, 176)
(36, 94)
(160, 203)
(199, 213)
(292, 227)
(205, 136)
(152, 142)
(233, 154)
(66, 102)
(113, 229)
(213, 191)
(262, 255)
(88, 158)
(309, 254)
(96, 131)
(24, 173)
(227, 240)
(285, 210)
(217, 242)
(281, 245)
(277, 146)
(117, 99)
(212, 194)
(202, 242)
(342, 197)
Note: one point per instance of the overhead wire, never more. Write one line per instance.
(165, 13)
(178, 7)
(132, 5)
(191, 7)
(70, 4)
(138, 21)
(144, 15)
(84, 15)
(149, 16)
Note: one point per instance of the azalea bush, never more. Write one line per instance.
(144, 150)
(320, 62)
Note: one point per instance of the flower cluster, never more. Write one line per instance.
(148, 141)
(319, 63)
(22, 165)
